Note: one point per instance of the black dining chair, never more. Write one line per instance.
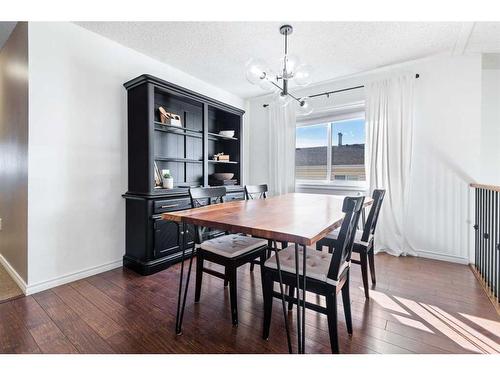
(259, 192)
(327, 274)
(256, 191)
(363, 242)
(227, 250)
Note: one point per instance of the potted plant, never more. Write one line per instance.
(168, 180)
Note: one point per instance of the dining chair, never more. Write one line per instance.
(227, 250)
(259, 192)
(363, 242)
(256, 191)
(327, 274)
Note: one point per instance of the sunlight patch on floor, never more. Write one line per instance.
(412, 323)
(386, 302)
(487, 324)
(422, 316)
(438, 324)
(483, 342)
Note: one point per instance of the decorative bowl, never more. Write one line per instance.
(222, 176)
(227, 133)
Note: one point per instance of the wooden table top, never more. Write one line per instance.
(295, 217)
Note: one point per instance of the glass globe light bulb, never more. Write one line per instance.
(283, 99)
(302, 75)
(255, 71)
(269, 83)
(305, 108)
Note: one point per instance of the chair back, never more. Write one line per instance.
(352, 208)
(256, 191)
(371, 221)
(203, 196)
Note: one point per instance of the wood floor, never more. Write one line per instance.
(8, 287)
(418, 306)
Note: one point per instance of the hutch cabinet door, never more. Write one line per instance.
(168, 238)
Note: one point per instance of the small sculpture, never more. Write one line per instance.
(168, 118)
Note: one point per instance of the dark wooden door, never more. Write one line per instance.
(168, 238)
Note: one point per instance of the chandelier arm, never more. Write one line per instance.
(297, 99)
(276, 85)
(292, 96)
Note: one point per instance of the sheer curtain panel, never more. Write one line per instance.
(389, 131)
(281, 149)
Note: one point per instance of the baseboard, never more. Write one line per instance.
(438, 256)
(13, 273)
(52, 283)
(443, 257)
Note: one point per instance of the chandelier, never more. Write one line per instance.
(258, 73)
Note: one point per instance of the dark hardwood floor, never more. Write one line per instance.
(417, 306)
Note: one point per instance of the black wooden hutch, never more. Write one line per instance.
(153, 244)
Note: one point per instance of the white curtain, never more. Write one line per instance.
(389, 129)
(281, 177)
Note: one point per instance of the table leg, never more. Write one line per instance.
(297, 276)
(289, 341)
(180, 309)
(303, 346)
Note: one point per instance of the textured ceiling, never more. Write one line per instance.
(5, 30)
(216, 52)
(485, 38)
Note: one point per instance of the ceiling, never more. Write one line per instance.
(5, 30)
(216, 52)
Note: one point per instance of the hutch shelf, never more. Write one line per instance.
(187, 151)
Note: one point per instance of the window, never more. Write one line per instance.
(348, 150)
(311, 156)
(331, 152)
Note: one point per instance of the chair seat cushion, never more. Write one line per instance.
(232, 245)
(333, 235)
(317, 263)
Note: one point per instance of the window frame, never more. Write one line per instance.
(353, 113)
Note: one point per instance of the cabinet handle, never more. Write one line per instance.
(169, 206)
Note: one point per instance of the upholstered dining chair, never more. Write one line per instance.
(259, 192)
(227, 250)
(327, 274)
(363, 242)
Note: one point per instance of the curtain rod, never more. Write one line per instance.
(328, 93)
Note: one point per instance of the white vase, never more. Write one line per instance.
(168, 183)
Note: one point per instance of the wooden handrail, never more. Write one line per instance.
(487, 187)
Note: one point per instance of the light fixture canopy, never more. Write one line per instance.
(258, 73)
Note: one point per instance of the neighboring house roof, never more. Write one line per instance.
(342, 155)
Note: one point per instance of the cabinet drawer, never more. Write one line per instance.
(234, 197)
(168, 205)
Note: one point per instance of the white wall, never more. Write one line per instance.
(446, 155)
(258, 133)
(14, 154)
(78, 148)
(490, 137)
(447, 146)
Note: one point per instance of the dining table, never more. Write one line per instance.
(298, 218)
